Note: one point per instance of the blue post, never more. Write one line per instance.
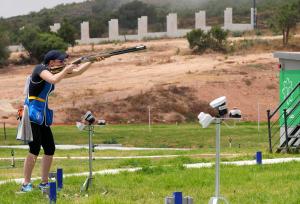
(59, 179)
(52, 192)
(177, 197)
(258, 157)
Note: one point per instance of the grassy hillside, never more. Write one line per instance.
(98, 12)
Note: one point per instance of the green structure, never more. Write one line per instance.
(289, 108)
(289, 79)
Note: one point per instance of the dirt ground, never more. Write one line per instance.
(250, 81)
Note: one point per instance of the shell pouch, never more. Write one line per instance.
(36, 114)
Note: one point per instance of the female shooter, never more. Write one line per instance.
(41, 84)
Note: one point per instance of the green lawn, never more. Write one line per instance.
(244, 136)
(266, 184)
(247, 184)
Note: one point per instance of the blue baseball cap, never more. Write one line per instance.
(55, 55)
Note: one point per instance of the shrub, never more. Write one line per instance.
(237, 34)
(219, 38)
(38, 43)
(4, 52)
(246, 44)
(198, 40)
(215, 39)
(219, 34)
(110, 141)
(258, 32)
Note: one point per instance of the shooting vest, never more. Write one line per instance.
(38, 105)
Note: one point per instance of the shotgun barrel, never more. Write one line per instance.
(93, 58)
(108, 54)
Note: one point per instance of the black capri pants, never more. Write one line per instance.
(42, 135)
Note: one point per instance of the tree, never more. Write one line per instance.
(28, 35)
(46, 42)
(38, 43)
(67, 32)
(4, 53)
(129, 13)
(98, 27)
(44, 21)
(285, 19)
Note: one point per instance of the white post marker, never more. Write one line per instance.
(149, 118)
(258, 118)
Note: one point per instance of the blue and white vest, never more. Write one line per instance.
(39, 111)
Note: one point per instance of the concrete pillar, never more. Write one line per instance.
(252, 17)
(85, 31)
(172, 25)
(113, 26)
(55, 27)
(200, 20)
(227, 17)
(142, 27)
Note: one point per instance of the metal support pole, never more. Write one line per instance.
(254, 14)
(286, 130)
(13, 164)
(218, 132)
(88, 181)
(4, 131)
(269, 131)
(258, 119)
(90, 150)
(149, 118)
(217, 197)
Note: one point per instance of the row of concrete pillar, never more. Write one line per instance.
(172, 28)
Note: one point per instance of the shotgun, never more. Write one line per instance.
(93, 58)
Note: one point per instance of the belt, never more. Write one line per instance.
(36, 98)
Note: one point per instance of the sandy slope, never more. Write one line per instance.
(248, 80)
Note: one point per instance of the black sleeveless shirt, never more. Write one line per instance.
(37, 83)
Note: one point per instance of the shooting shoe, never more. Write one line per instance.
(43, 186)
(26, 188)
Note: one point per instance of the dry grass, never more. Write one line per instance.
(272, 86)
(247, 81)
(159, 59)
(259, 46)
(168, 104)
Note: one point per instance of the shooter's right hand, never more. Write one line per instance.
(69, 68)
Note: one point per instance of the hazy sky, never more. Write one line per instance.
(11, 8)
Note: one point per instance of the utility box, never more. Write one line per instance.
(289, 63)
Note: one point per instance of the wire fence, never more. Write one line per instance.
(3, 131)
(8, 134)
